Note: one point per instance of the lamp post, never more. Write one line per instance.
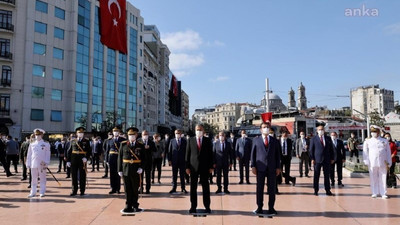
(366, 117)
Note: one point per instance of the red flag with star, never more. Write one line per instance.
(113, 24)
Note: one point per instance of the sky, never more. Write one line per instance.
(222, 50)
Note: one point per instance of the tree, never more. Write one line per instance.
(82, 120)
(376, 119)
(209, 128)
(112, 120)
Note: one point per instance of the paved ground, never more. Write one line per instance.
(351, 204)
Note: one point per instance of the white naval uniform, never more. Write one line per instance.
(38, 159)
(376, 154)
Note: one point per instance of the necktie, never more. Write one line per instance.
(223, 146)
(179, 143)
(266, 141)
(198, 144)
(322, 141)
(284, 147)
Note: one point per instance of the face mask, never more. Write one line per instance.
(132, 138)
(199, 133)
(80, 135)
(333, 137)
(116, 134)
(159, 139)
(352, 136)
(374, 134)
(265, 130)
(243, 135)
(302, 136)
(232, 137)
(222, 138)
(3, 137)
(38, 137)
(177, 136)
(271, 134)
(320, 132)
(145, 137)
(388, 138)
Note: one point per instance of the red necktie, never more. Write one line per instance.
(198, 144)
(266, 142)
(322, 141)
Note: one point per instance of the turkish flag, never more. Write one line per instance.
(113, 24)
(267, 117)
(174, 86)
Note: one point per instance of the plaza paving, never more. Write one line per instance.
(351, 204)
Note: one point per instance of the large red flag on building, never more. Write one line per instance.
(113, 24)
(174, 86)
(267, 117)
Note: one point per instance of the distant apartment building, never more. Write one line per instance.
(367, 99)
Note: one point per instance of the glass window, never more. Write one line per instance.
(39, 49)
(37, 114)
(58, 33)
(40, 27)
(56, 116)
(6, 76)
(38, 70)
(59, 13)
(5, 48)
(37, 92)
(41, 6)
(57, 74)
(56, 94)
(5, 105)
(5, 19)
(58, 53)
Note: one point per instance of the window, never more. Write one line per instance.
(59, 13)
(38, 70)
(56, 94)
(40, 27)
(5, 48)
(6, 20)
(39, 49)
(57, 74)
(41, 6)
(37, 114)
(58, 33)
(37, 92)
(6, 76)
(56, 116)
(58, 53)
(5, 105)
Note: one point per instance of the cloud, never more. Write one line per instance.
(184, 62)
(182, 40)
(215, 43)
(392, 29)
(219, 79)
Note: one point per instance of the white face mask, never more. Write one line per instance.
(222, 138)
(159, 139)
(302, 136)
(80, 135)
(199, 133)
(116, 134)
(145, 137)
(38, 137)
(132, 138)
(232, 137)
(265, 130)
(374, 134)
(333, 137)
(388, 138)
(352, 136)
(177, 136)
(320, 132)
(244, 135)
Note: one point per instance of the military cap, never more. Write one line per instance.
(132, 130)
(38, 131)
(375, 128)
(80, 130)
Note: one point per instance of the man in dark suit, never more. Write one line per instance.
(150, 148)
(339, 156)
(97, 151)
(302, 148)
(199, 163)
(265, 162)
(243, 151)
(287, 148)
(223, 160)
(60, 151)
(105, 143)
(111, 154)
(232, 141)
(176, 159)
(321, 154)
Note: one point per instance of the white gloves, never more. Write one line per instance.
(84, 160)
(140, 171)
(44, 165)
(120, 174)
(68, 164)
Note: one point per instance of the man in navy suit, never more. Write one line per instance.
(287, 148)
(321, 154)
(176, 158)
(199, 163)
(243, 151)
(339, 153)
(232, 141)
(265, 162)
(223, 160)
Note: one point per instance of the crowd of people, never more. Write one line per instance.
(135, 157)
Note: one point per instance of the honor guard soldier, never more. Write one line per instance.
(78, 153)
(131, 160)
(38, 159)
(112, 151)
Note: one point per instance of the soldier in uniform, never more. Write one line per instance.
(22, 156)
(131, 160)
(377, 156)
(38, 159)
(112, 151)
(78, 153)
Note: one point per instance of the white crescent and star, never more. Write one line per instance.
(110, 2)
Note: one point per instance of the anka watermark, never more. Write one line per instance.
(361, 12)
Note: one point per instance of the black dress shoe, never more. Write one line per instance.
(208, 210)
(105, 176)
(340, 185)
(227, 192)
(258, 211)
(92, 171)
(316, 193)
(29, 186)
(211, 182)
(58, 171)
(24, 178)
(136, 209)
(128, 210)
(172, 191)
(272, 211)
(192, 210)
(248, 182)
(112, 192)
(294, 181)
(218, 191)
(72, 194)
(67, 177)
(184, 191)
(118, 192)
(241, 182)
(147, 192)
(301, 175)
(82, 193)
(329, 193)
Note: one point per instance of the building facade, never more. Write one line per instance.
(367, 99)
(185, 112)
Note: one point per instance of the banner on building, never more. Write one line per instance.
(113, 24)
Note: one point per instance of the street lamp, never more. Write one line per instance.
(367, 119)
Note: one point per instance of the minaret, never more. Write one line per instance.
(291, 101)
(302, 100)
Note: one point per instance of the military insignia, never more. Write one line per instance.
(140, 141)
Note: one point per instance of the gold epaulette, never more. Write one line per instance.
(123, 142)
(140, 141)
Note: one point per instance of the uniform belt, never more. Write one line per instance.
(132, 161)
(78, 152)
(113, 152)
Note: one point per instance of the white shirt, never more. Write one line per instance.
(376, 151)
(284, 146)
(38, 152)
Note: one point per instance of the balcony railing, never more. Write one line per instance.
(6, 55)
(6, 26)
(4, 112)
(12, 2)
(5, 82)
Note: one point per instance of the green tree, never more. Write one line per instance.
(376, 119)
(209, 128)
(82, 120)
